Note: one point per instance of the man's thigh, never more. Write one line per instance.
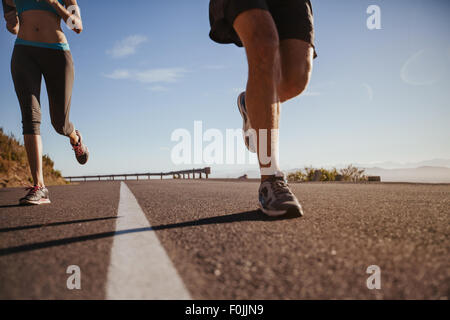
(257, 30)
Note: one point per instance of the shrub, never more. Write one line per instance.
(307, 174)
(352, 173)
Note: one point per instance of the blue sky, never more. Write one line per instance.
(148, 68)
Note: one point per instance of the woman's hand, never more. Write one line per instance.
(70, 13)
(79, 26)
(74, 21)
(12, 22)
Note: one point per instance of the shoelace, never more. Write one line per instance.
(280, 186)
(32, 190)
(78, 149)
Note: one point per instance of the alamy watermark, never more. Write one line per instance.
(374, 20)
(74, 280)
(213, 146)
(374, 281)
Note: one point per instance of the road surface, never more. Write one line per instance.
(192, 239)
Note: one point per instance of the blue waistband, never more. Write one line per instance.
(56, 46)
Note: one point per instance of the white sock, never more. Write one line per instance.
(275, 153)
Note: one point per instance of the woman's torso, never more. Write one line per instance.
(39, 22)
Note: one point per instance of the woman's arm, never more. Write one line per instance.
(71, 15)
(10, 15)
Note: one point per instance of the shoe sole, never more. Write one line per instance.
(87, 150)
(279, 213)
(87, 157)
(245, 125)
(35, 203)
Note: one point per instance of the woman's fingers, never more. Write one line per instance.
(11, 18)
(11, 15)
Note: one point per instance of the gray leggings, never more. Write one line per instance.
(28, 65)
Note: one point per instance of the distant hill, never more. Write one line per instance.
(422, 174)
(14, 170)
(410, 165)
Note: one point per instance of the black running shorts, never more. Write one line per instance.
(293, 18)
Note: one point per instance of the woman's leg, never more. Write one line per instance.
(58, 72)
(33, 145)
(26, 75)
(74, 138)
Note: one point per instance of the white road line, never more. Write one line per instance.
(139, 267)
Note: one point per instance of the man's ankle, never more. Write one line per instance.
(265, 177)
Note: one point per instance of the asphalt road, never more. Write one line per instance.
(222, 248)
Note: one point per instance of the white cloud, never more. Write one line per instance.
(369, 90)
(162, 75)
(425, 67)
(158, 89)
(159, 75)
(127, 46)
(119, 74)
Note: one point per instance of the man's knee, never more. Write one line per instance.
(295, 84)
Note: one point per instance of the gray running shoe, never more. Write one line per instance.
(35, 196)
(276, 199)
(81, 150)
(250, 144)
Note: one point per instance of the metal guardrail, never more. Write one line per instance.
(175, 174)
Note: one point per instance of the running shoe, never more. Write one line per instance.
(276, 198)
(80, 149)
(35, 196)
(250, 144)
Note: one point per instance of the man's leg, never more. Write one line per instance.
(258, 33)
(296, 68)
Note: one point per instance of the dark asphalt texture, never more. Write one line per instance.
(38, 243)
(224, 249)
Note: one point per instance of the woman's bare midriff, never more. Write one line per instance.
(41, 26)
